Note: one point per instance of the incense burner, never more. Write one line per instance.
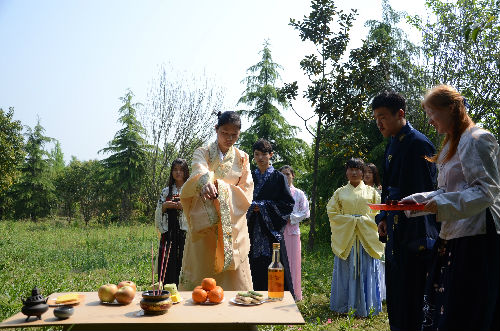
(155, 303)
(35, 305)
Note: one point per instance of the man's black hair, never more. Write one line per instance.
(390, 100)
(263, 146)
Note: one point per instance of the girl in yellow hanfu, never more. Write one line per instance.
(355, 282)
(215, 199)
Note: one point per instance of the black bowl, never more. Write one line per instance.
(63, 312)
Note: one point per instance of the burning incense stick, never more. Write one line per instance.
(152, 268)
(160, 273)
(166, 262)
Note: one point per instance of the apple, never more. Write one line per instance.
(125, 295)
(127, 283)
(107, 292)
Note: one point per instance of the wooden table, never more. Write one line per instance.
(93, 315)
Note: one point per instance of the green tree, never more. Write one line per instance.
(469, 63)
(56, 158)
(82, 187)
(93, 189)
(11, 155)
(262, 95)
(321, 68)
(66, 184)
(126, 164)
(385, 61)
(34, 193)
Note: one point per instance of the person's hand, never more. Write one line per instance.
(178, 205)
(431, 206)
(168, 205)
(382, 228)
(209, 191)
(256, 209)
(407, 201)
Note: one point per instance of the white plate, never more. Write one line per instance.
(233, 300)
(207, 303)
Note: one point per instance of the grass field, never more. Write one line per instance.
(57, 257)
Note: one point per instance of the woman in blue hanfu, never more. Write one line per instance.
(355, 283)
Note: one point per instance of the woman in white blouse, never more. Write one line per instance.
(171, 223)
(292, 231)
(463, 282)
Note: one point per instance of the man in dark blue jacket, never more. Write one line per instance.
(409, 241)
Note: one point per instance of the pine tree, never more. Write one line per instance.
(35, 191)
(56, 158)
(126, 164)
(268, 122)
(11, 157)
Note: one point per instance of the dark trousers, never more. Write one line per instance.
(405, 285)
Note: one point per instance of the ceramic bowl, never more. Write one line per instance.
(155, 303)
(63, 312)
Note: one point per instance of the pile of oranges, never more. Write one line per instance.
(208, 291)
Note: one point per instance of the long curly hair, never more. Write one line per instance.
(444, 97)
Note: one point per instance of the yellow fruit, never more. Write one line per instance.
(67, 298)
(175, 297)
(172, 288)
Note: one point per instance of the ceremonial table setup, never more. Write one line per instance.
(92, 314)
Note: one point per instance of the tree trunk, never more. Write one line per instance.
(312, 230)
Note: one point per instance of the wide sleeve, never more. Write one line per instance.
(201, 215)
(341, 225)
(275, 204)
(300, 208)
(161, 222)
(367, 228)
(375, 199)
(242, 192)
(479, 161)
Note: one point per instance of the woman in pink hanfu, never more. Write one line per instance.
(292, 231)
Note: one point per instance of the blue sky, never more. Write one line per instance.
(68, 62)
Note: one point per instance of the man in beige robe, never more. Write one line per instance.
(217, 242)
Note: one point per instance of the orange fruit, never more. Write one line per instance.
(216, 295)
(208, 284)
(199, 286)
(199, 295)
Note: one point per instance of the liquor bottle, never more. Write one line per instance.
(275, 276)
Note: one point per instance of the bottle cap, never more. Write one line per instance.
(276, 245)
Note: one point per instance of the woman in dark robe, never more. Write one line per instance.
(267, 217)
(171, 223)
